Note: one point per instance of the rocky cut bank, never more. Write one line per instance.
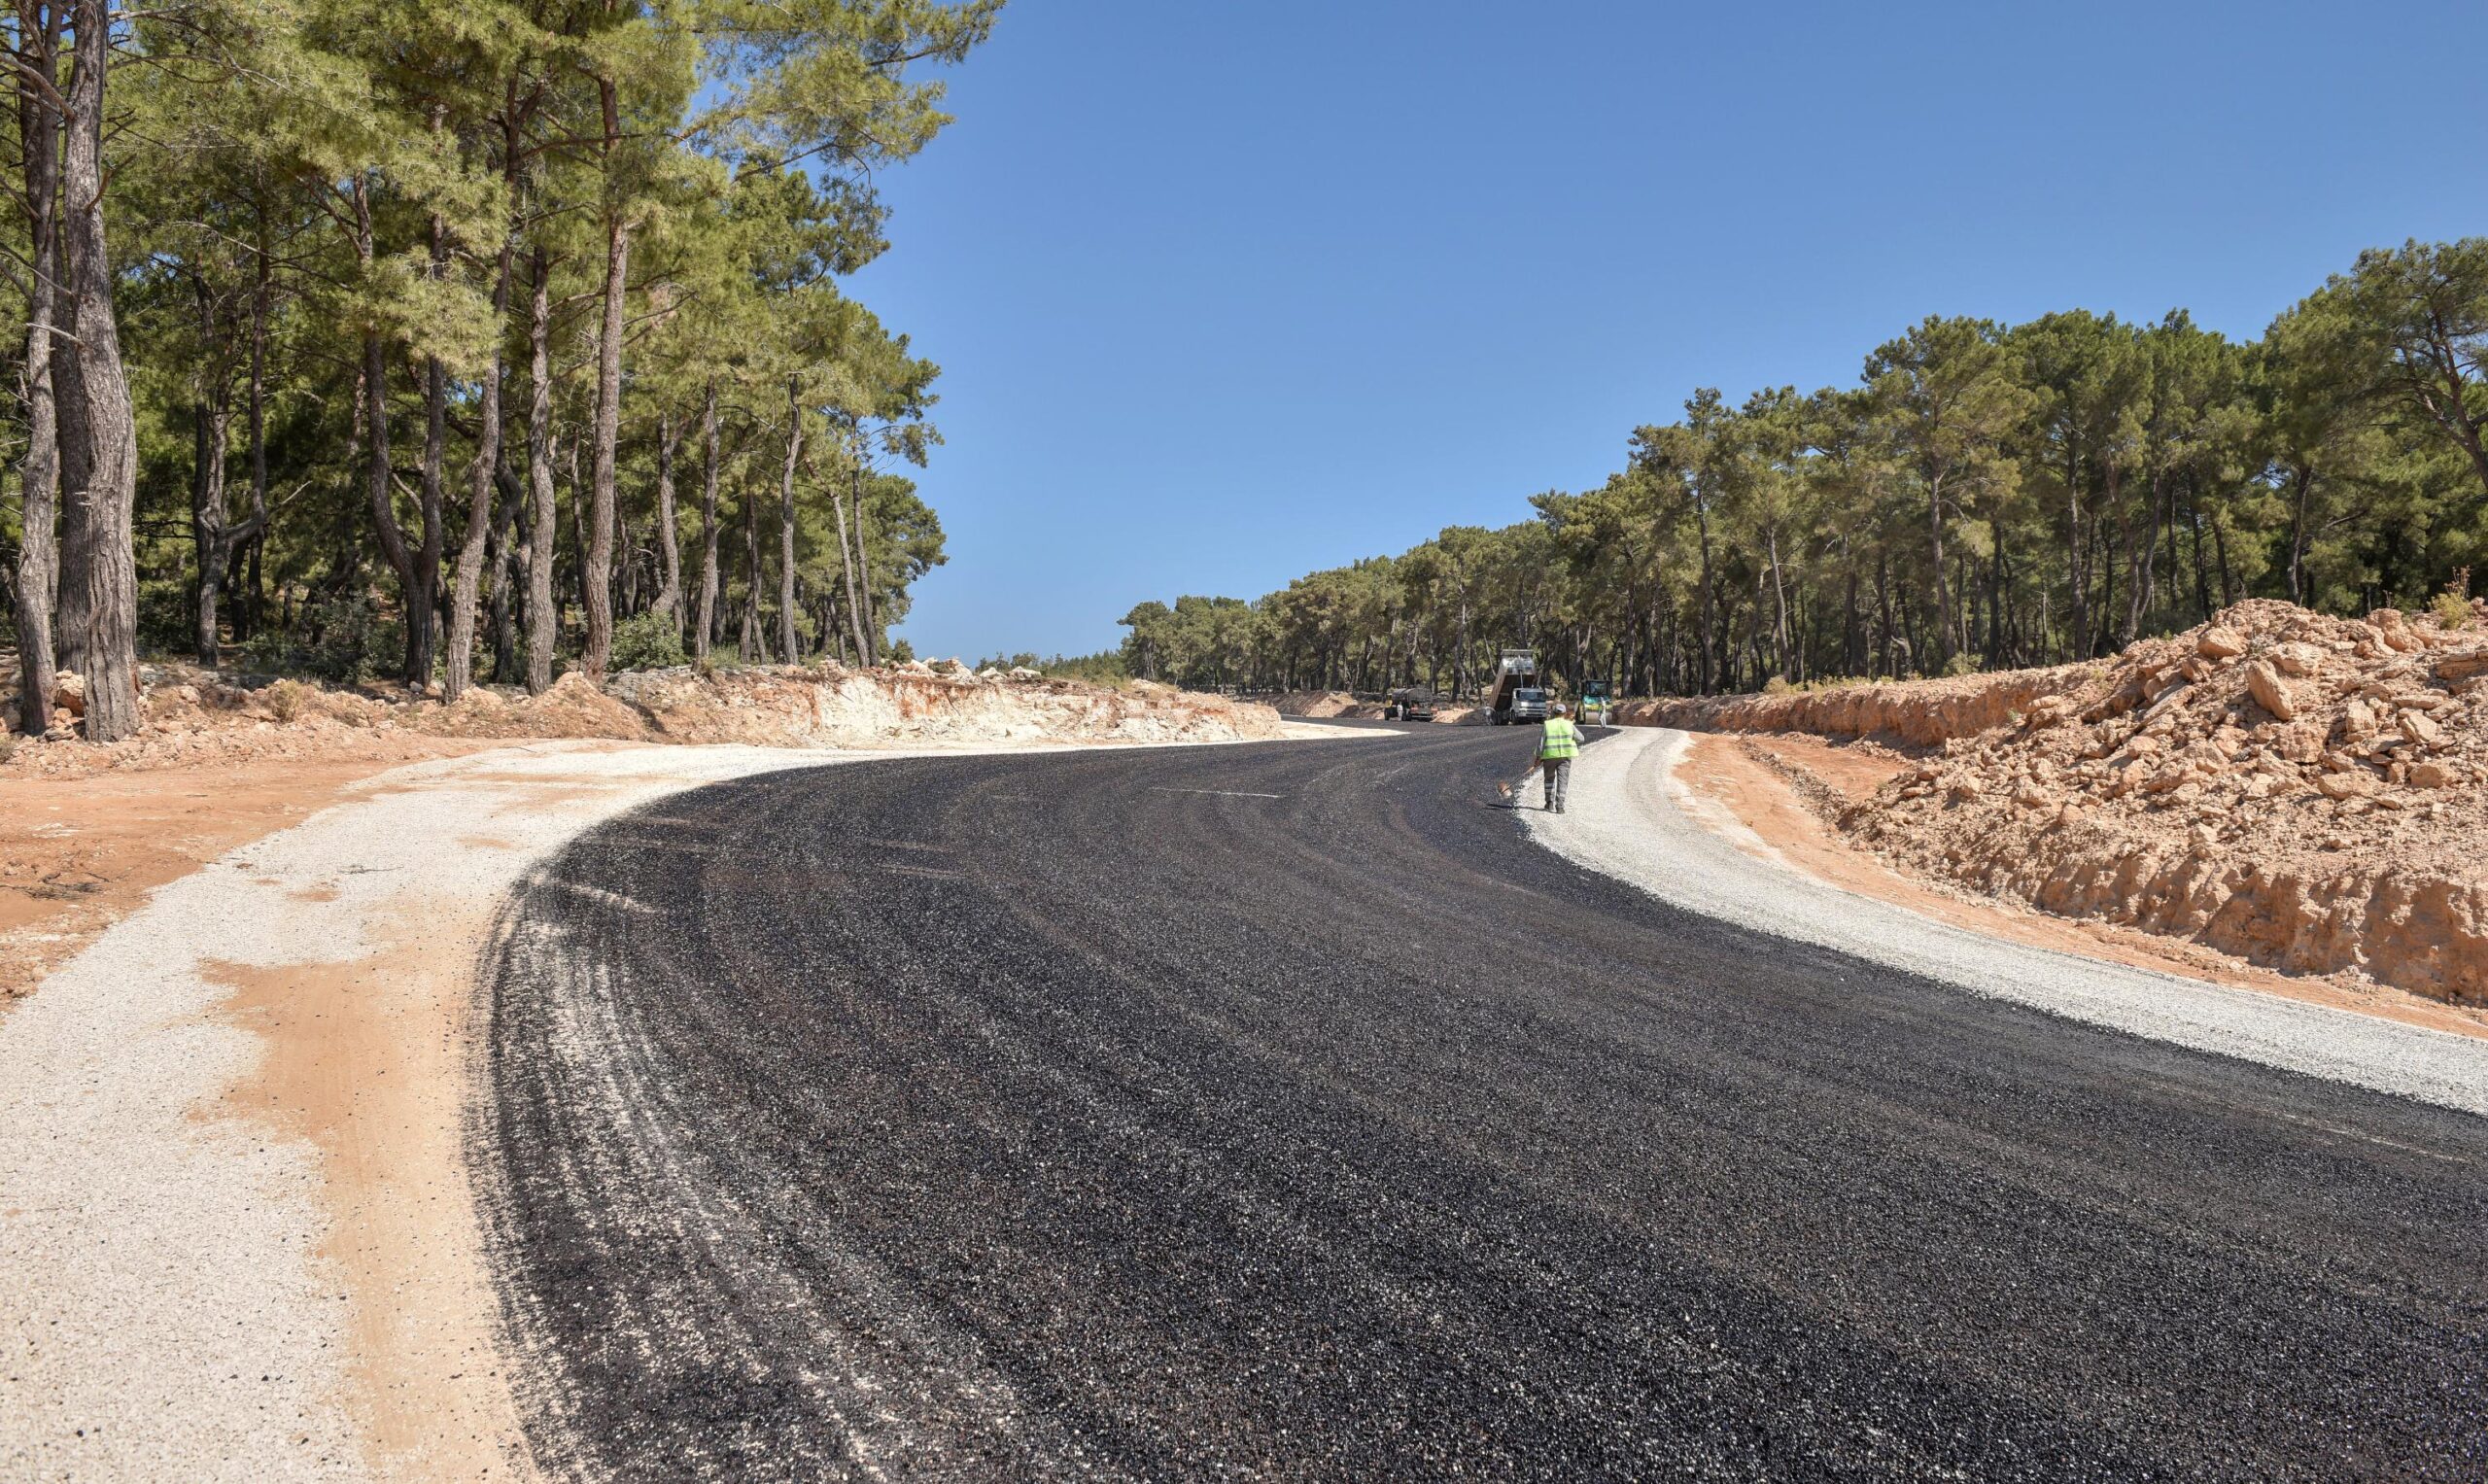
(195, 715)
(2304, 791)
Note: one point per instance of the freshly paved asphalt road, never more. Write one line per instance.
(1278, 1111)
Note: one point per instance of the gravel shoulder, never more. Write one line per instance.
(1791, 790)
(1633, 818)
(78, 854)
(235, 1224)
(237, 1236)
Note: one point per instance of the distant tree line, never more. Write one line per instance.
(1985, 496)
(1105, 667)
(456, 340)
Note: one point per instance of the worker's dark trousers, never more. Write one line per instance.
(1558, 772)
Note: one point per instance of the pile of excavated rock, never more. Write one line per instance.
(2308, 792)
(1325, 704)
(195, 715)
(68, 702)
(1914, 712)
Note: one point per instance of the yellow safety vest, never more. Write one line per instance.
(1561, 744)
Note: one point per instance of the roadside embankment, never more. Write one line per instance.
(85, 832)
(2301, 791)
(1325, 706)
(1918, 714)
(195, 715)
(1634, 816)
(1780, 795)
(1342, 706)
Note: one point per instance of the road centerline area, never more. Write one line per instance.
(1222, 793)
(1357, 1137)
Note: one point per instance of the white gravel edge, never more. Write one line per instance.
(164, 1313)
(163, 1310)
(1629, 817)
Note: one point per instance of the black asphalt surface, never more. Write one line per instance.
(1279, 1111)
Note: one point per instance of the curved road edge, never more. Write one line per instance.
(237, 1236)
(1632, 819)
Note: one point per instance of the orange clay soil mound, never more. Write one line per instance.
(916, 703)
(1329, 703)
(196, 716)
(1917, 712)
(1324, 704)
(2307, 792)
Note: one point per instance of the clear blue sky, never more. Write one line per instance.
(1224, 293)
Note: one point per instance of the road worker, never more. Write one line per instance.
(1557, 746)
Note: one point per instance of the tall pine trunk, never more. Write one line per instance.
(423, 602)
(786, 524)
(579, 515)
(255, 415)
(1709, 650)
(378, 492)
(707, 630)
(750, 643)
(847, 572)
(508, 511)
(668, 547)
(1943, 591)
(100, 483)
(211, 532)
(543, 628)
(864, 576)
(483, 480)
(39, 473)
(596, 581)
(413, 592)
(2076, 570)
(1779, 614)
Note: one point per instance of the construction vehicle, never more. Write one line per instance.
(1519, 696)
(1411, 702)
(1597, 701)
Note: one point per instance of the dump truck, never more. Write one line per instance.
(1519, 696)
(1412, 703)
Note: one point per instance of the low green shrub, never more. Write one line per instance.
(2452, 606)
(288, 699)
(647, 641)
(340, 639)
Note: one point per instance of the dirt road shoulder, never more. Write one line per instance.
(235, 1229)
(1632, 817)
(78, 854)
(237, 1238)
(1763, 781)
